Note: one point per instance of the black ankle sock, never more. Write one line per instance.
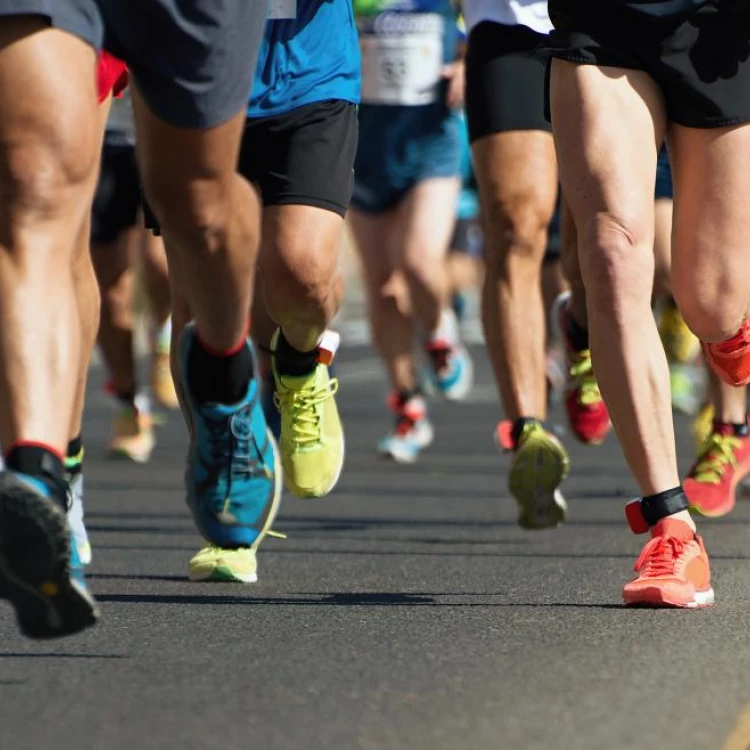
(38, 462)
(126, 398)
(291, 361)
(578, 336)
(738, 430)
(74, 456)
(217, 378)
(663, 504)
(408, 394)
(518, 426)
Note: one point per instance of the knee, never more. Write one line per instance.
(516, 228)
(420, 266)
(197, 215)
(709, 319)
(616, 262)
(302, 274)
(43, 180)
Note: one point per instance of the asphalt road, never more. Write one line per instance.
(406, 611)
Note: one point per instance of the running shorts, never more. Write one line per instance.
(699, 60)
(399, 147)
(505, 80)
(118, 194)
(193, 60)
(111, 75)
(304, 156)
(663, 176)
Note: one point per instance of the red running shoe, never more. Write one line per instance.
(673, 569)
(730, 359)
(587, 412)
(723, 463)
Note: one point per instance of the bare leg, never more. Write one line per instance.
(517, 178)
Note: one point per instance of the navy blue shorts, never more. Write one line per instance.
(663, 176)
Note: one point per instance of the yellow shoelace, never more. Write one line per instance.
(302, 409)
(717, 455)
(582, 372)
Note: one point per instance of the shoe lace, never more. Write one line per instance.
(302, 406)
(582, 374)
(658, 557)
(717, 455)
(234, 454)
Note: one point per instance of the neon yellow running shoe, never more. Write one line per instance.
(540, 464)
(703, 426)
(680, 344)
(225, 565)
(312, 437)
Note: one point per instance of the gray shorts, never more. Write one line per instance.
(193, 60)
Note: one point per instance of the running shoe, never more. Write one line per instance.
(680, 343)
(40, 571)
(312, 436)
(587, 412)
(721, 466)
(452, 368)
(133, 433)
(684, 388)
(413, 431)
(162, 385)
(702, 426)
(539, 465)
(79, 535)
(225, 565)
(730, 359)
(233, 478)
(673, 569)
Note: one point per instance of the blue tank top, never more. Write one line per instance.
(310, 53)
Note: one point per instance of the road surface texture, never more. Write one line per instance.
(407, 611)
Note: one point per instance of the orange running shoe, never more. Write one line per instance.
(730, 359)
(673, 569)
(722, 464)
(587, 412)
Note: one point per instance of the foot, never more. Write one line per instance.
(40, 571)
(587, 412)
(162, 385)
(233, 476)
(702, 427)
(680, 344)
(721, 466)
(451, 364)
(79, 535)
(133, 435)
(730, 359)
(312, 436)
(225, 565)
(673, 569)
(413, 431)
(538, 468)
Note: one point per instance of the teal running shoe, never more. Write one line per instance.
(41, 573)
(233, 477)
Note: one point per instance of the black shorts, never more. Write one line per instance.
(303, 157)
(699, 59)
(118, 194)
(193, 61)
(505, 80)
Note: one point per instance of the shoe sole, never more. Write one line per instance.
(653, 598)
(223, 574)
(535, 480)
(35, 565)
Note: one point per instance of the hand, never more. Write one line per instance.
(455, 75)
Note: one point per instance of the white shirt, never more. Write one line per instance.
(530, 13)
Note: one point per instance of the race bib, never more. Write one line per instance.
(402, 59)
(279, 10)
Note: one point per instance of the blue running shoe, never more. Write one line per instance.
(40, 574)
(233, 477)
(452, 369)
